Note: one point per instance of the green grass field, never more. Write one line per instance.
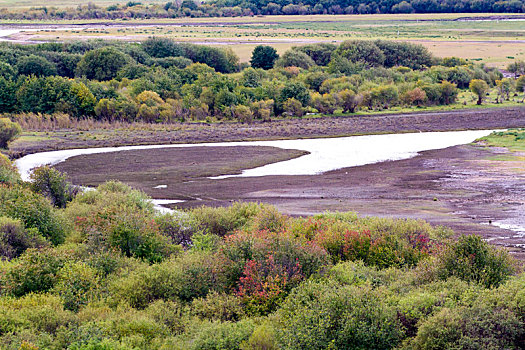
(513, 140)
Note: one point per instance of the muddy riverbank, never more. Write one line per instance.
(122, 135)
(464, 187)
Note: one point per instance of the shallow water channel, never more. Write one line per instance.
(324, 154)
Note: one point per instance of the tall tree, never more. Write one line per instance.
(264, 57)
(479, 88)
(102, 64)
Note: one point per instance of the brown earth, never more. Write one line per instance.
(120, 135)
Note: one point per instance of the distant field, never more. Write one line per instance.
(495, 42)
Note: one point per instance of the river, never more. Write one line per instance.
(324, 154)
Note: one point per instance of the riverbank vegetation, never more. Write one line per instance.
(103, 270)
(163, 81)
(512, 140)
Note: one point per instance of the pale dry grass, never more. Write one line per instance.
(496, 54)
(58, 121)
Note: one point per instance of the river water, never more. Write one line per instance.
(324, 154)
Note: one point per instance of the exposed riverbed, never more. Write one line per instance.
(324, 154)
(448, 183)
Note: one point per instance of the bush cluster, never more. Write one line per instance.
(108, 272)
(160, 80)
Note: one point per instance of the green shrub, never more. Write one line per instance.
(102, 63)
(406, 228)
(474, 260)
(268, 218)
(320, 53)
(35, 65)
(108, 197)
(470, 328)
(8, 131)
(53, 184)
(358, 51)
(178, 227)
(117, 217)
(133, 235)
(222, 336)
(34, 211)
(223, 220)
(104, 344)
(218, 307)
(25, 339)
(181, 279)
(319, 315)
(15, 239)
(109, 194)
(414, 307)
(8, 172)
(35, 312)
(34, 271)
(77, 284)
(356, 273)
(136, 328)
(206, 242)
(294, 58)
(169, 313)
(262, 338)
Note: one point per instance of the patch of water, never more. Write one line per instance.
(158, 204)
(505, 224)
(336, 153)
(7, 32)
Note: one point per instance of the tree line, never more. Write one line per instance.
(164, 81)
(234, 8)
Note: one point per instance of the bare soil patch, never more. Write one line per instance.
(161, 172)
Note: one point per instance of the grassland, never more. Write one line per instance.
(495, 42)
(512, 140)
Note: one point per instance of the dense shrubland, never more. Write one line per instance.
(235, 8)
(103, 270)
(162, 81)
